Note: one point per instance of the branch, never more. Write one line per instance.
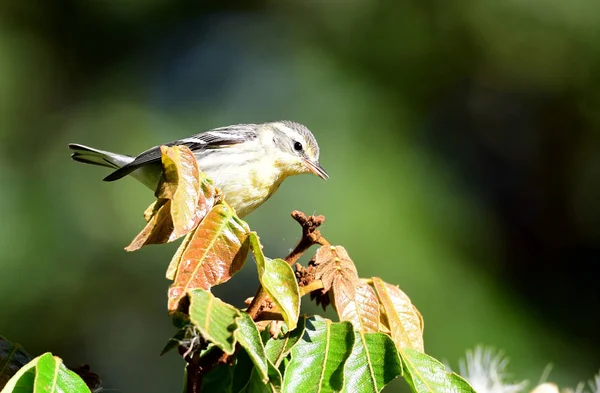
(194, 374)
(310, 236)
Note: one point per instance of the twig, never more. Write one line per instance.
(194, 374)
(310, 236)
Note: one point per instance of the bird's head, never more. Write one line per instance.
(294, 147)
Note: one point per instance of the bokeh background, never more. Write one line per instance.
(461, 138)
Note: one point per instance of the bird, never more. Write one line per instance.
(248, 162)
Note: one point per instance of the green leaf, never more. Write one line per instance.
(373, 363)
(215, 319)
(317, 363)
(265, 373)
(249, 338)
(242, 372)
(255, 385)
(12, 358)
(45, 374)
(425, 374)
(279, 281)
(219, 379)
(278, 348)
(23, 380)
(175, 341)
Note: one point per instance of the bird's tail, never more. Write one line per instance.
(93, 156)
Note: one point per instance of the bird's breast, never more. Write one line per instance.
(246, 183)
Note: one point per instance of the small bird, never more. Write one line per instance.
(248, 162)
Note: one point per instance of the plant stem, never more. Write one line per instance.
(310, 236)
(194, 375)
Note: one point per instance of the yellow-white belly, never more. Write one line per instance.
(245, 184)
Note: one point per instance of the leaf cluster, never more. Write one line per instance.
(267, 346)
(379, 336)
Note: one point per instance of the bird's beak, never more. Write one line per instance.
(316, 168)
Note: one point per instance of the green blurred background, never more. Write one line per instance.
(461, 138)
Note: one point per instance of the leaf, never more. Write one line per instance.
(45, 374)
(255, 385)
(425, 374)
(362, 310)
(249, 338)
(373, 363)
(215, 319)
(333, 263)
(174, 264)
(12, 358)
(244, 369)
(317, 360)
(184, 196)
(278, 348)
(158, 230)
(219, 379)
(279, 281)
(189, 189)
(214, 252)
(354, 300)
(181, 185)
(403, 319)
(225, 326)
(266, 376)
(175, 341)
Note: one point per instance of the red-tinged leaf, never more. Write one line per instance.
(362, 310)
(354, 301)
(403, 320)
(174, 264)
(333, 263)
(215, 251)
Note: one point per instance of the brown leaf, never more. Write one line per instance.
(211, 254)
(182, 186)
(404, 321)
(362, 310)
(333, 262)
(354, 301)
(189, 189)
(153, 208)
(158, 230)
(184, 196)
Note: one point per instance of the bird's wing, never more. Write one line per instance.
(216, 138)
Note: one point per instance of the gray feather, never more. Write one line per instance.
(89, 155)
(216, 138)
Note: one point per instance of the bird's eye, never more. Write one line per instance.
(297, 146)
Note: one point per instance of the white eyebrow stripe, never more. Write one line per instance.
(290, 132)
